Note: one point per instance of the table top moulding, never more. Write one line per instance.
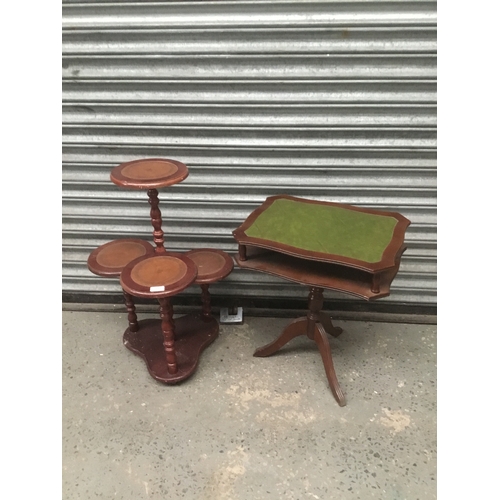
(361, 238)
(149, 173)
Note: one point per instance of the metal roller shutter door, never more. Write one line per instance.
(325, 100)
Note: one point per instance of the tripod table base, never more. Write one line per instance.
(316, 329)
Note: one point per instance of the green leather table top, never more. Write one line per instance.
(328, 229)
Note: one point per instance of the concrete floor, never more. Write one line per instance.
(245, 428)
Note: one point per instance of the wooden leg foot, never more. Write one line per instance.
(326, 355)
(292, 330)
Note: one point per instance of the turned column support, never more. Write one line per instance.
(156, 221)
(168, 329)
(205, 301)
(131, 315)
(315, 303)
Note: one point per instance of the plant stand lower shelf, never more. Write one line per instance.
(193, 333)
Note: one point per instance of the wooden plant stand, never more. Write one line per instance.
(171, 348)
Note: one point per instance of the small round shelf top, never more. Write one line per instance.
(158, 276)
(213, 265)
(109, 259)
(150, 173)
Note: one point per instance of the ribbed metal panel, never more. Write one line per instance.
(325, 100)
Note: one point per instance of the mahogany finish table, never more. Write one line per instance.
(322, 245)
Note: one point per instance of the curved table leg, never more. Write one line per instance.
(326, 321)
(292, 330)
(324, 348)
(315, 326)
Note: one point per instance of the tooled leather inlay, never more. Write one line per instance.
(207, 262)
(119, 254)
(158, 270)
(148, 170)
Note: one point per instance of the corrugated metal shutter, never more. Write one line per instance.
(321, 99)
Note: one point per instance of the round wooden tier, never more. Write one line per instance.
(150, 173)
(158, 276)
(109, 259)
(213, 265)
(171, 348)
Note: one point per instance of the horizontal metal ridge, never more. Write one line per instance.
(73, 149)
(221, 115)
(319, 66)
(245, 14)
(276, 91)
(213, 155)
(246, 42)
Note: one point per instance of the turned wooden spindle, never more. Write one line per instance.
(315, 304)
(156, 221)
(205, 301)
(213, 265)
(167, 326)
(375, 288)
(131, 316)
(242, 252)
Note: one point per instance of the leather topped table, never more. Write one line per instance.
(322, 245)
(151, 174)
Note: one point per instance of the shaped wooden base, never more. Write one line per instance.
(193, 333)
